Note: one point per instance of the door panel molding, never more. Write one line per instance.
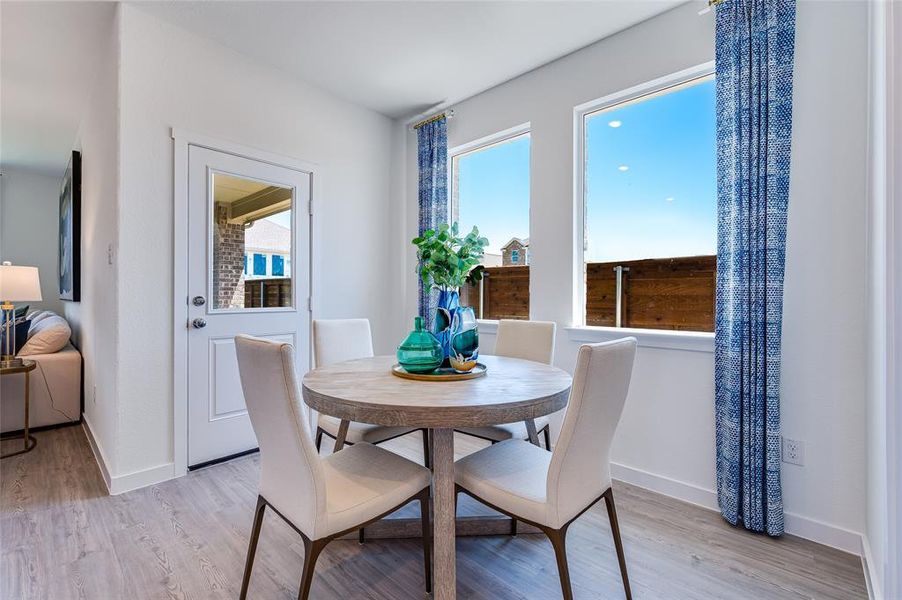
(182, 141)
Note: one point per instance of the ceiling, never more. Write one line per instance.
(397, 58)
(48, 57)
(401, 58)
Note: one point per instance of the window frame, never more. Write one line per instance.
(483, 143)
(581, 113)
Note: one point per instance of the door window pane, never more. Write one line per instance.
(251, 221)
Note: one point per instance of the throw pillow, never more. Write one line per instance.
(21, 332)
(49, 335)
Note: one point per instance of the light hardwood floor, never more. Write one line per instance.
(62, 536)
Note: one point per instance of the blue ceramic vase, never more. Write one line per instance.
(456, 325)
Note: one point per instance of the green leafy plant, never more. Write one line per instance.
(448, 261)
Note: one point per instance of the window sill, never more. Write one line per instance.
(692, 341)
(488, 326)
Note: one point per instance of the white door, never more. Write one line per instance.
(248, 272)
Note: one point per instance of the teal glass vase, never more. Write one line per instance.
(420, 352)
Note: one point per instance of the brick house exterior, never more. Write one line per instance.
(515, 253)
(228, 260)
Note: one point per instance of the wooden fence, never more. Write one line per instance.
(661, 293)
(666, 293)
(506, 293)
(267, 293)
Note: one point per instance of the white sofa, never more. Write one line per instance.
(55, 387)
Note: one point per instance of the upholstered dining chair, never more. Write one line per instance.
(550, 490)
(320, 498)
(529, 340)
(338, 340)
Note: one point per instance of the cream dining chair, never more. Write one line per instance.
(320, 498)
(529, 340)
(549, 490)
(338, 340)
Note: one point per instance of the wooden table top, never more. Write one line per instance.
(365, 391)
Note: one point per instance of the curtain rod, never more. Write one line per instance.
(445, 114)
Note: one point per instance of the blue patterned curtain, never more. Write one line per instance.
(754, 51)
(432, 158)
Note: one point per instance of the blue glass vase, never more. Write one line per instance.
(454, 322)
(448, 304)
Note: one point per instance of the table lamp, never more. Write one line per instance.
(17, 284)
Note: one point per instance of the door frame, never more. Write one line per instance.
(182, 141)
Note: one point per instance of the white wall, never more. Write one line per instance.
(172, 78)
(667, 438)
(95, 319)
(29, 214)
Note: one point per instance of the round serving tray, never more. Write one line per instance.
(441, 374)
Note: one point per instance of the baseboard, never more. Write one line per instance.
(870, 576)
(120, 484)
(142, 478)
(804, 527)
(95, 449)
(665, 485)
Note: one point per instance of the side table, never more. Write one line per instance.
(21, 366)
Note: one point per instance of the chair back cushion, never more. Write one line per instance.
(338, 340)
(580, 468)
(47, 334)
(529, 340)
(291, 477)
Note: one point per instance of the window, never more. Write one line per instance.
(278, 266)
(490, 189)
(649, 192)
(259, 264)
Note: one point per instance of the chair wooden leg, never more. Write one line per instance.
(252, 546)
(547, 435)
(312, 551)
(427, 455)
(558, 538)
(427, 538)
(514, 527)
(361, 536)
(618, 542)
(319, 438)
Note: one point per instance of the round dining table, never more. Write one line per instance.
(366, 391)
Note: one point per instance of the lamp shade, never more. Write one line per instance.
(19, 284)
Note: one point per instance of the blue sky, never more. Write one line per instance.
(663, 204)
(494, 192)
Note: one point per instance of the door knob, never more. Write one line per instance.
(198, 301)
(198, 323)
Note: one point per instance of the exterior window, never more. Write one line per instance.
(278, 266)
(649, 192)
(260, 264)
(490, 189)
(245, 264)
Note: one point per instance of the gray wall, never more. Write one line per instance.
(29, 213)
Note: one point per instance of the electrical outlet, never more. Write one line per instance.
(793, 452)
